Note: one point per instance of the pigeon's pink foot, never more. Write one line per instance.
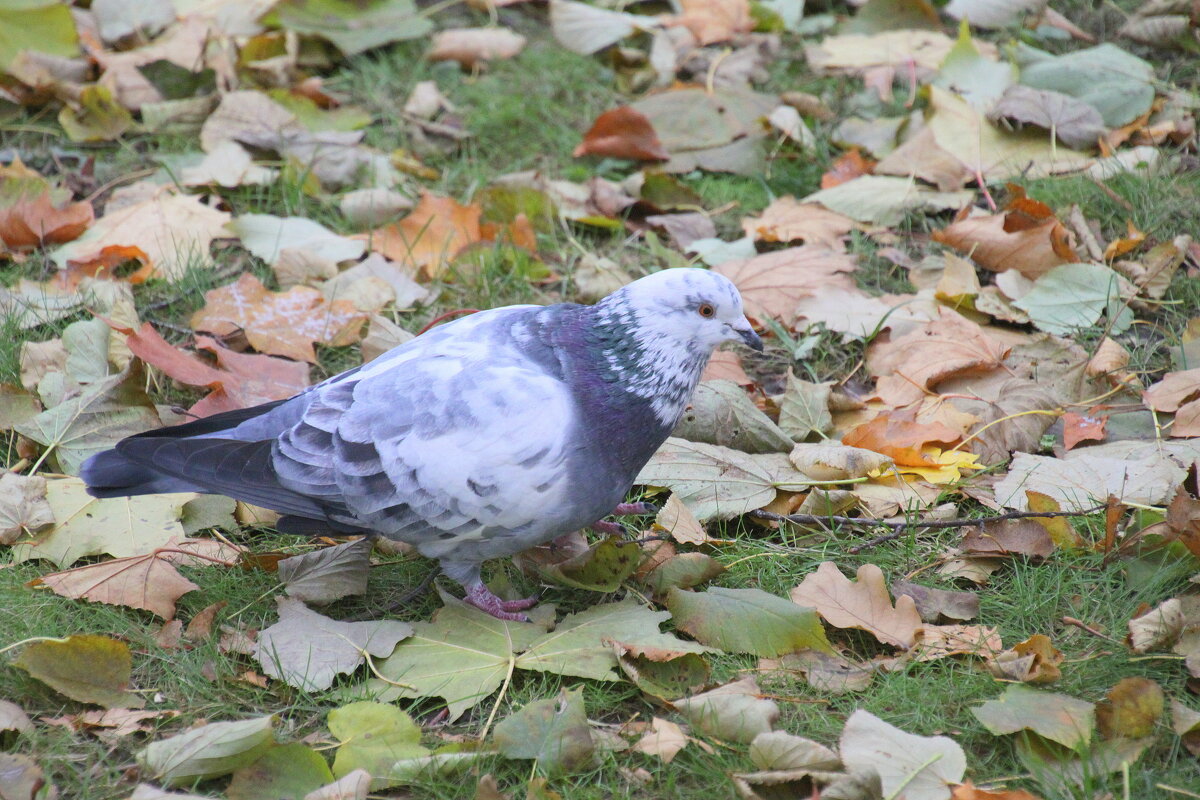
(482, 598)
(609, 528)
(634, 509)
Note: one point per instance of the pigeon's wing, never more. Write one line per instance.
(463, 439)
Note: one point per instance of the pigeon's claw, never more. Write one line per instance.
(634, 509)
(482, 598)
(605, 528)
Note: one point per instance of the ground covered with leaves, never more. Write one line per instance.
(940, 540)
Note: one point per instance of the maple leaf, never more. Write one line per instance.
(773, 283)
(1026, 237)
(432, 234)
(899, 435)
(786, 219)
(279, 323)
(860, 604)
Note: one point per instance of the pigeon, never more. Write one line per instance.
(476, 440)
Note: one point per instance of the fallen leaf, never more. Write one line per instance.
(1132, 709)
(274, 238)
(662, 675)
(13, 717)
(712, 21)
(1073, 122)
(471, 46)
(23, 506)
(622, 132)
(721, 413)
(1082, 428)
(289, 770)
(735, 712)
(910, 365)
(173, 232)
(87, 526)
(147, 582)
(804, 408)
(968, 791)
(1024, 537)
(886, 199)
(862, 604)
(1057, 717)
(847, 167)
(923, 767)
(747, 621)
(831, 462)
(429, 238)
(773, 283)
(828, 674)
(897, 434)
(664, 739)
(84, 667)
(675, 518)
(329, 573)
(934, 604)
(36, 221)
(307, 650)
(279, 323)
(788, 220)
(23, 778)
(1070, 297)
(941, 641)
(207, 751)
(553, 732)
(1035, 660)
(993, 243)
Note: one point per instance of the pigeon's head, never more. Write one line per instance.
(695, 308)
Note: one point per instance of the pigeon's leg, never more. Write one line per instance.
(609, 528)
(481, 597)
(634, 509)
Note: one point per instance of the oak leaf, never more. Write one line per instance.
(279, 323)
(860, 604)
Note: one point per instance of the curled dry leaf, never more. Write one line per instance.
(862, 604)
(924, 767)
(735, 712)
(279, 323)
(36, 220)
(1035, 660)
(1028, 239)
(623, 132)
(23, 506)
(470, 46)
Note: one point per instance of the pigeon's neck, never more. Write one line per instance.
(662, 371)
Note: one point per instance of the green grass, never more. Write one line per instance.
(528, 114)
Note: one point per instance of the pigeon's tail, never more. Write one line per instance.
(110, 474)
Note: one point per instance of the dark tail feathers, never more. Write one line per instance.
(110, 474)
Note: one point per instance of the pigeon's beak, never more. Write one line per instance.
(747, 335)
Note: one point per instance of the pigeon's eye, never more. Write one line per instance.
(707, 311)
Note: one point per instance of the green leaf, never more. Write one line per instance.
(683, 571)
(287, 771)
(804, 409)
(1057, 717)
(1117, 84)
(87, 526)
(665, 678)
(1070, 297)
(209, 751)
(99, 117)
(106, 412)
(42, 25)
(374, 736)
(84, 667)
(461, 656)
(747, 621)
(712, 481)
(579, 644)
(352, 25)
(735, 712)
(553, 732)
(603, 567)
(174, 82)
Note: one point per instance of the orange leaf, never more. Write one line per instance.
(1080, 428)
(429, 238)
(147, 582)
(847, 167)
(253, 379)
(712, 21)
(104, 265)
(280, 323)
(1026, 237)
(899, 435)
(622, 133)
(33, 221)
(1119, 247)
(967, 791)
(772, 284)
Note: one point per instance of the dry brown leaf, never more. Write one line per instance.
(825, 673)
(1008, 537)
(968, 791)
(1082, 428)
(675, 518)
(863, 604)
(23, 506)
(726, 365)
(279, 323)
(773, 283)
(429, 238)
(148, 582)
(847, 167)
(935, 605)
(916, 362)
(922, 157)
(1173, 391)
(623, 132)
(1109, 360)
(899, 435)
(788, 220)
(34, 221)
(1035, 660)
(665, 739)
(942, 641)
(1026, 237)
(173, 231)
(712, 21)
(1183, 520)
(470, 46)
(1131, 709)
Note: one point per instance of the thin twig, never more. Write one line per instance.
(1078, 623)
(898, 528)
